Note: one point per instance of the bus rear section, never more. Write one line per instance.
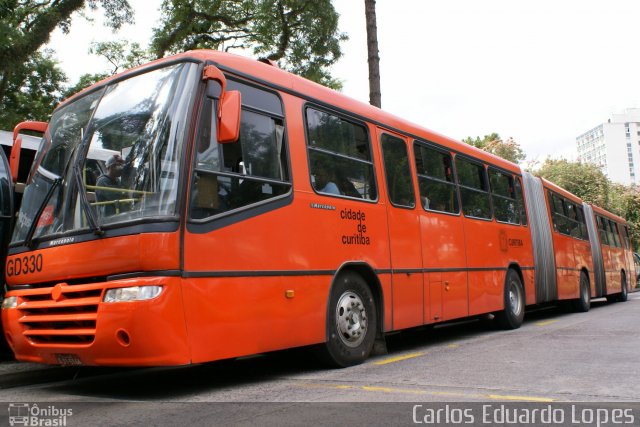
(613, 257)
(561, 249)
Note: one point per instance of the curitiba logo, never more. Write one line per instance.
(26, 414)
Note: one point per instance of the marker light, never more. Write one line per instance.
(10, 302)
(134, 293)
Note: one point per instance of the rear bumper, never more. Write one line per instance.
(70, 324)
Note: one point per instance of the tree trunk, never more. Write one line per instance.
(375, 96)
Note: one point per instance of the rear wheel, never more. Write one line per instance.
(351, 322)
(583, 304)
(513, 314)
(624, 292)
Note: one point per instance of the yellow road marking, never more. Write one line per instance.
(548, 322)
(429, 392)
(399, 358)
(453, 346)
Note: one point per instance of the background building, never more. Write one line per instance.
(615, 147)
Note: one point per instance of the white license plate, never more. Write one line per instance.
(68, 359)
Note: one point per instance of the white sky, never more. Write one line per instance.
(542, 72)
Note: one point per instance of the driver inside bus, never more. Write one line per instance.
(108, 180)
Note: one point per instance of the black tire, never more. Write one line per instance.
(624, 292)
(514, 302)
(583, 303)
(351, 322)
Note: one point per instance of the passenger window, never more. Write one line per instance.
(474, 191)
(233, 175)
(625, 237)
(503, 197)
(435, 179)
(339, 156)
(602, 229)
(520, 202)
(584, 234)
(614, 236)
(397, 171)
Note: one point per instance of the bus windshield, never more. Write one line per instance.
(110, 157)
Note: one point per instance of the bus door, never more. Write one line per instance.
(442, 233)
(404, 233)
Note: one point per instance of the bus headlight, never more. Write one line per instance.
(10, 302)
(134, 293)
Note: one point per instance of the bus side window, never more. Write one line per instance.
(340, 158)
(615, 237)
(520, 202)
(397, 171)
(435, 179)
(234, 175)
(474, 190)
(604, 238)
(503, 197)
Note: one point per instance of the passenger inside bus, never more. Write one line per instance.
(325, 181)
(345, 186)
(111, 179)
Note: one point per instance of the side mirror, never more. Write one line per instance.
(228, 115)
(14, 159)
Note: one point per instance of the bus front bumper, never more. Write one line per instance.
(88, 325)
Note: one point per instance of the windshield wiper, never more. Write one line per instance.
(28, 241)
(94, 225)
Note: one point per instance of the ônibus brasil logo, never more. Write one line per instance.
(32, 415)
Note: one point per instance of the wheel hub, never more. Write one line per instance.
(351, 319)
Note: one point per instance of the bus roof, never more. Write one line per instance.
(275, 77)
(600, 211)
(28, 141)
(569, 195)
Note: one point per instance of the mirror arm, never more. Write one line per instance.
(14, 158)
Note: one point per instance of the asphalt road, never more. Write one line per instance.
(554, 357)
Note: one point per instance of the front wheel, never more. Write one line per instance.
(351, 322)
(513, 314)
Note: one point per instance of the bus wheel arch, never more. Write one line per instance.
(352, 320)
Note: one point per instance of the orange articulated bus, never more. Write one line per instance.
(613, 256)
(249, 210)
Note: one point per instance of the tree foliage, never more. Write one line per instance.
(121, 54)
(585, 180)
(301, 36)
(26, 25)
(32, 91)
(509, 149)
(625, 202)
